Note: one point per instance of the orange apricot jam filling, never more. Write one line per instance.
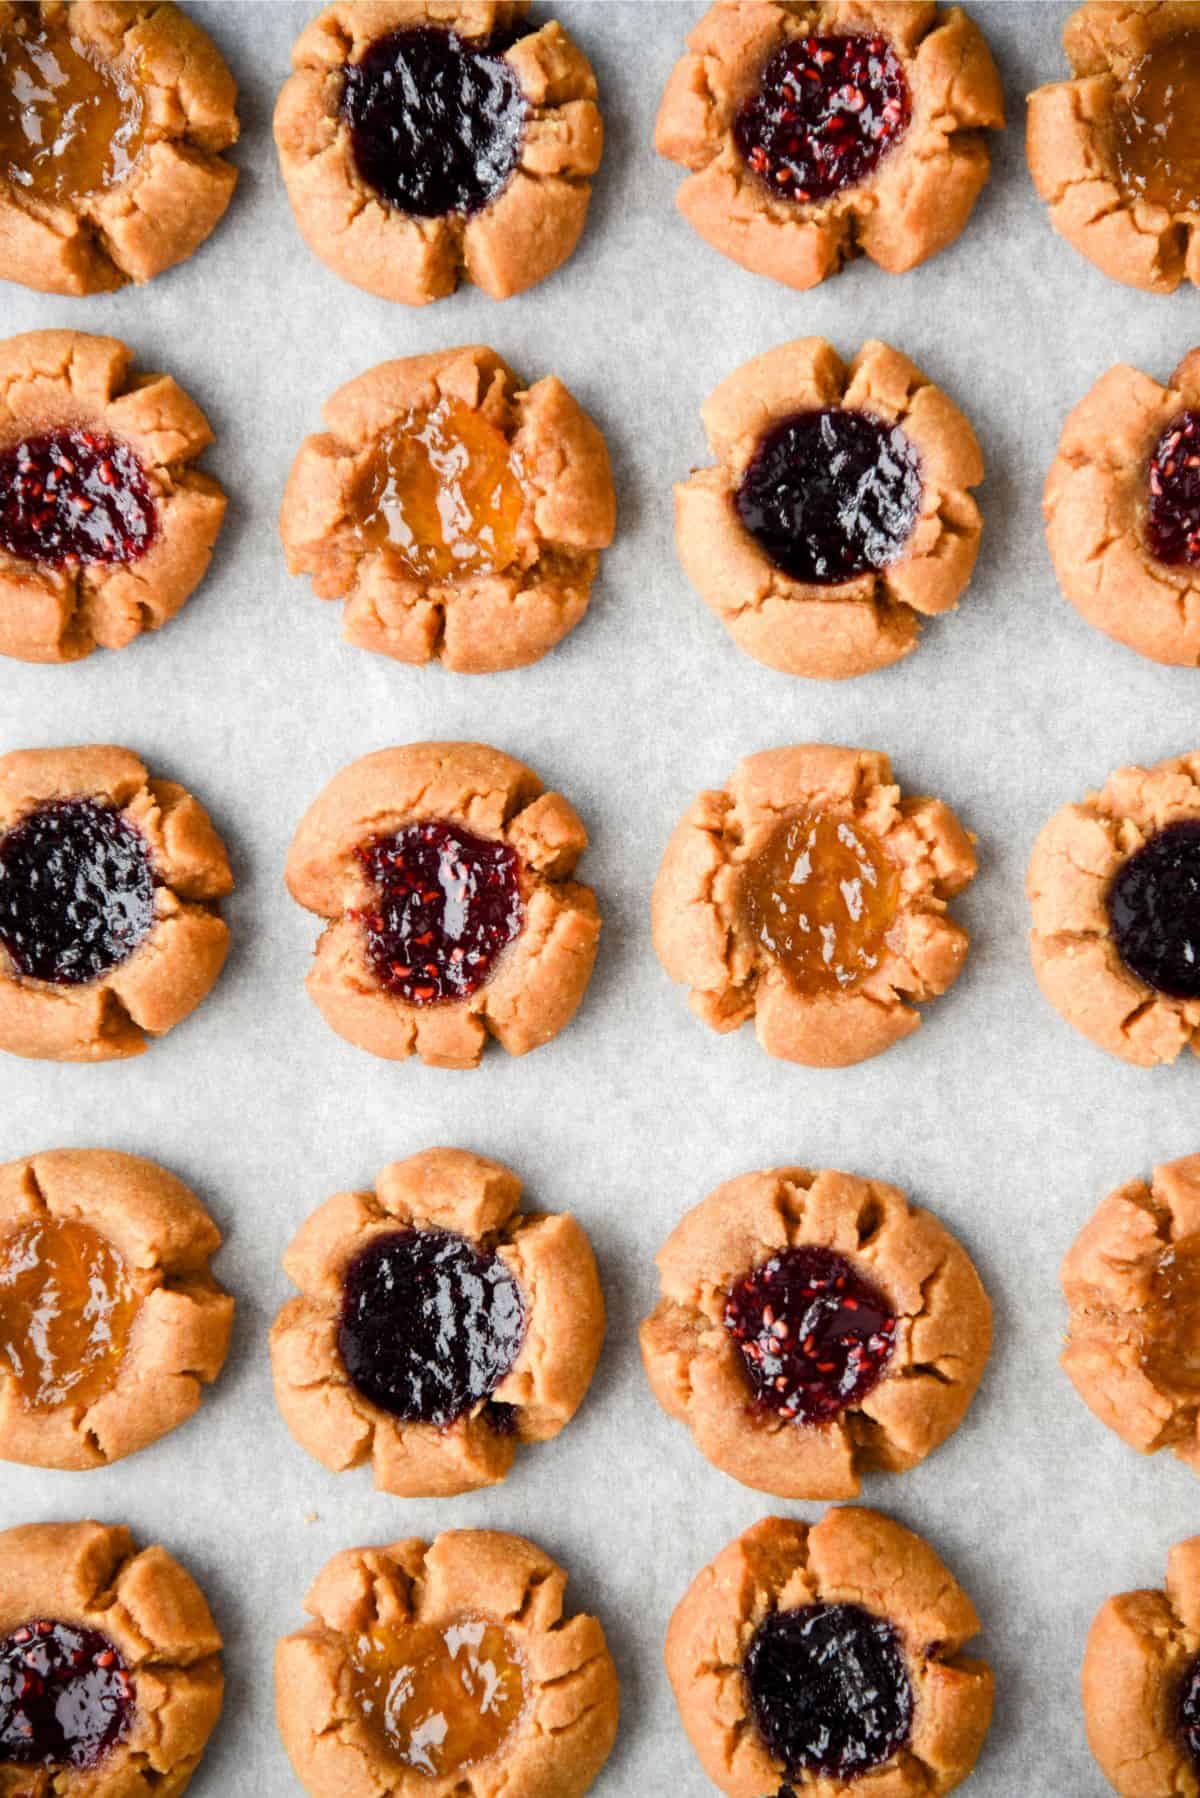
(1157, 126)
(1170, 1323)
(440, 1696)
(820, 898)
(67, 1306)
(71, 122)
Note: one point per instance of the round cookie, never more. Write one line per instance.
(109, 883)
(818, 1657)
(428, 142)
(459, 515)
(113, 117)
(818, 130)
(1113, 151)
(839, 513)
(814, 1327)
(452, 852)
(475, 1620)
(106, 527)
(803, 836)
(110, 1665)
(1114, 892)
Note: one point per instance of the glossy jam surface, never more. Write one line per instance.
(1169, 1348)
(814, 1335)
(826, 111)
(829, 1689)
(67, 1307)
(1173, 511)
(76, 892)
(70, 497)
(70, 121)
(429, 1326)
(440, 1696)
(820, 899)
(66, 1697)
(1154, 910)
(1157, 126)
(448, 903)
(1189, 1712)
(442, 495)
(436, 120)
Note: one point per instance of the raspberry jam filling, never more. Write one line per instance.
(1154, 911)
(436, 120)
(439, 1696)
(76, 892)
(1157, 143)
(429, 1326)
(67, 1307)
(1189, 1712)
(447, 905)
(829, 1690)
(827, 110)
(1173, 514)
(815, 1336)
(66, 1697)
(71, 121)
(69, 497)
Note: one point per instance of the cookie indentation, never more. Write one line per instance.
(76, 892)
(820, 899)
(1157, 143)
(67, 1307)
(1154, 910)
(442, 1696)
(66, 1697)
(1173, 514)
(70, 122)
(1189, 1712)
(70, 497)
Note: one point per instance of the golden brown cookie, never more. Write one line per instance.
(110, 1665)
(444, 870)
(500, 1692)
(439, 1327)
(807, 894)
(459, 515)
(111, 1323)
(113, 117)
(828, 1658)
(109, 883)
(428, 142)
(839, 513)
(1113, 151)
(814, 1327)
(106, 526)
(1113, 887)
(819, 130)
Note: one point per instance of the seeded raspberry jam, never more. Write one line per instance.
(1154, 910)
(829, 1690)
(814, 1335)
(66, 1697)
(827, 110)
(1173, 515)
(70, 497)
(76, 892)
(448, 904)
(1189, 1712)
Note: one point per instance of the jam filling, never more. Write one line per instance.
(429, 1326)
(1154, 910)
(829, 1690)
(1155, 126)
(436, 120)
(67, 1306)
(70, 496)
(76, 892)
(1173, 514)
(439, 1696)
(71, 122)
(820, 899)
(831, 495)
(1169, 1321)
(447, 905)
(1189, 1712)
(66, 1697)
(826, 112)
(815, 1336)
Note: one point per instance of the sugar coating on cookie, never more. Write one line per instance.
(814, 1327)
(113, 118)
(459, 515)
(446, 1664)
(428, 142)
(839, 514)
(818, 130)
(1113, 150)
(817, 1655)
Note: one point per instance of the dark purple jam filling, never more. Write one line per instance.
(827, 110)
(429, 1326)
(1173, 516)
(831, 495)
(71, 496)
(815, 1336)
(66, 1697)
(829, 1690)
(1154, 910)
(1189, 1712)
(436, 120)
(448, 904)
(76, 892)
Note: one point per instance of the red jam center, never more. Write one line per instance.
(448, 903)
(814, 1335)
(1189, 1712)
(76, 892)
(73, 496)
(66, 1697)
(827, 110)
(1154, 910)
(1173, 515)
